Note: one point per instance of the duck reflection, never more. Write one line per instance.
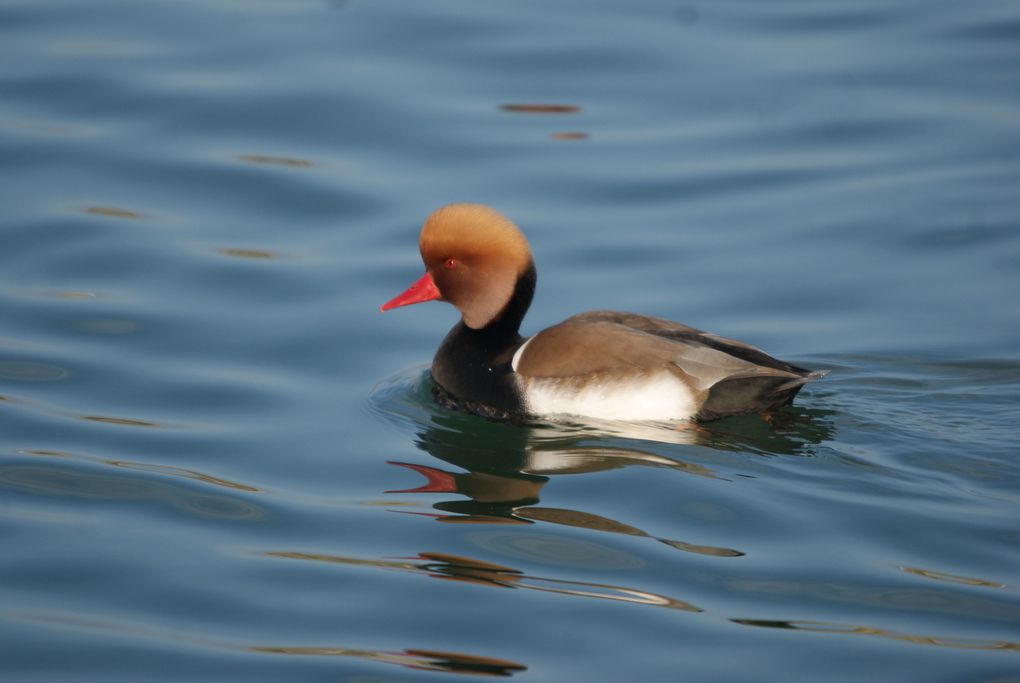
(502, 467)
(508, 465)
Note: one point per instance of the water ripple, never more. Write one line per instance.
(70, 480)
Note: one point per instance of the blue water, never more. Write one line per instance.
(210, 438)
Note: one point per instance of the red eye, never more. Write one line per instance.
(451, 263)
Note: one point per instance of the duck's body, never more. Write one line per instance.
(600, 364)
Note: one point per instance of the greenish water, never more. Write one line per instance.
(218, 461)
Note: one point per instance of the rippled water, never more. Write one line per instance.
(218, 461)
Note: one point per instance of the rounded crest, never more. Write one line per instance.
(475, 230)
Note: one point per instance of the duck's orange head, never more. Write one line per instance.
(473, 258)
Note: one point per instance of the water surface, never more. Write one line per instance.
(218, 461)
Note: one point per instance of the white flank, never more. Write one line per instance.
(660, 397)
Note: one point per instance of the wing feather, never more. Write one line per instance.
(728, 376)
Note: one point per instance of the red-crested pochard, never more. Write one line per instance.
(599, 364)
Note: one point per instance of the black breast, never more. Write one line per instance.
(472, 368)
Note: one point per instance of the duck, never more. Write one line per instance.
(604, 365)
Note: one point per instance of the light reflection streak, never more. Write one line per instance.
(183, 472)
(951, 578)
(470, 570)
(171, 470)
(80, 482)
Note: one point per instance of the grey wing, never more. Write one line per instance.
(683, 333)
(583, 345)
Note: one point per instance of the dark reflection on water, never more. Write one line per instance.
(257, 254)
(422, 660)
(124, 421)
(794, 430)
(269, 160)
(541, 108)
(570, 135)
(112, 212)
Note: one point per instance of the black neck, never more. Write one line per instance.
(509, 321)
